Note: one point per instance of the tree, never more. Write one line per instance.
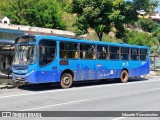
(122, 13)
(140, 38)
(147, 24)
(92, 14)
(146, 5)
(156, 33)
(40, 13)
(102, 15)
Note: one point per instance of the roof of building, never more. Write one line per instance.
(6, 42)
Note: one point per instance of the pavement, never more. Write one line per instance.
(139, 94)
(6, 83)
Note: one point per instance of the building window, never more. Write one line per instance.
(5, 22)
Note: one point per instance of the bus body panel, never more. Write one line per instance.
(83, 69)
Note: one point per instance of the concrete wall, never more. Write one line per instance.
(37, 30)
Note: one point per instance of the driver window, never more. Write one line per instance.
(47, 52)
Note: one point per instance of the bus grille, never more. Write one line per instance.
(20, 68)
(20, 73)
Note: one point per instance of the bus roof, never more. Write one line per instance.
(67, 39)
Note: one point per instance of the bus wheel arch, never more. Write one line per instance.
(124, 75)
(66, 79)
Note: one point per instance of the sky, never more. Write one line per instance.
(158, 9)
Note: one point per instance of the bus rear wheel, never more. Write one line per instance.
(66, 80)
(124, 76)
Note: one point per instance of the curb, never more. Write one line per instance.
(6, 86)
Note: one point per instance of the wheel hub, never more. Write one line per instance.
(66, 80)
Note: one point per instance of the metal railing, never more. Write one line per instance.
(155, 63)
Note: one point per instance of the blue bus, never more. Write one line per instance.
(49, 59)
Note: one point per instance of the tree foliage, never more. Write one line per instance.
(146, 5)
(147, 24)
(140, 38)
(40, 13)
(102, 15)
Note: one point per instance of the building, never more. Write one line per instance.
(8, 33)
(5, 20)
(7, 37)
(156, 17)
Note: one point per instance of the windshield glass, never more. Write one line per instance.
(25, 55)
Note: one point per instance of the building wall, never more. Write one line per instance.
(6, 47)
(37, 30)
(5, 20)
(11, 31)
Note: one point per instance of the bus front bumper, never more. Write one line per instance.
(24, 79)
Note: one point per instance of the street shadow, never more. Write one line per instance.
(56, 86)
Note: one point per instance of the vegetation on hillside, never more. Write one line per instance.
(102, 15)
(40, 13)
(97, 18)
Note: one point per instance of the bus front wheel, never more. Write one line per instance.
(66, 80)
(124, 76)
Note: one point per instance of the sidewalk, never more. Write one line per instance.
(5, 82)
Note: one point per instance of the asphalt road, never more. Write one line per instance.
(136, 95)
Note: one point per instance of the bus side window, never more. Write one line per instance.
(102, 52)
(69, 50)
(124, 53)
(143, 54)
(134, 54)
(47, 51)
(87, 51)
(82, 51)
(91, 52)
(76, 54)
(114, 53)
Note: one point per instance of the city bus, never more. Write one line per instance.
(55, 59)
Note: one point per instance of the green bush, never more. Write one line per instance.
(140, 38)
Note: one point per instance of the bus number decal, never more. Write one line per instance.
(64, 62)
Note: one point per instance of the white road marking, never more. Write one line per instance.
(154, 89)
(77, 88)
(56, 105)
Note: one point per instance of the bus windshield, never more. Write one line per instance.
(25, 55)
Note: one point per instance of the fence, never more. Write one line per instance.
(155, 63)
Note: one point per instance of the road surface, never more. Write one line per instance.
(137, 95)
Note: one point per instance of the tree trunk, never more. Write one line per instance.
(100, 34)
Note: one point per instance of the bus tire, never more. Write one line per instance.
(66, 80)
(124, 76)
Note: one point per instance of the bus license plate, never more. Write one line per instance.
(19, 78)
